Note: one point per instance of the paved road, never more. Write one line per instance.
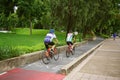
(55, 66)
(102, 64)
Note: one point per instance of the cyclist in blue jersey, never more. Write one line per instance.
(50, 39)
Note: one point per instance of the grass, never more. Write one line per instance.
(20, 42)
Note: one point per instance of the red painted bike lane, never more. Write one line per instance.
(21, 74)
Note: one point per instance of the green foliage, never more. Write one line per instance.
(3, 20)
(84, 16)
(25, 8)
(6, 7)
(104, 36)
(25, 31)
(9, 52)
(81, 15)
(8, 22)
(19, 41)
(12, 21)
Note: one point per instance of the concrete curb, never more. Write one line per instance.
(69, 67)
(12, 63)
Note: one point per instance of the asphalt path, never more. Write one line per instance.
(55, 66)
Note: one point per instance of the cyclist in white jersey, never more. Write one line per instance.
(69, 38)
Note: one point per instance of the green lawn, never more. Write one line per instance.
(20, 42)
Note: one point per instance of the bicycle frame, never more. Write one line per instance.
(49, 54)
(70, 50)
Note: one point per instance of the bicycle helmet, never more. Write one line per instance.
(51, 31)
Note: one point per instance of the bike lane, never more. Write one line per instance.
(39, 71)
(22, 74)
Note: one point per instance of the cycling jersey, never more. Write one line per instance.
(69, 37)
(49, 37)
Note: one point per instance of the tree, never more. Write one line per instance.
(31, 11)
(85, 16)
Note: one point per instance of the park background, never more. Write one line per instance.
(28, 21)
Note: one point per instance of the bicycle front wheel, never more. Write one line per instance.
(73, 50)
(56, 54)
(67, 52)
(45, 58)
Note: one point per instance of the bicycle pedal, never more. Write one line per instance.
(48, 59)
(52, 50)
(51, 54)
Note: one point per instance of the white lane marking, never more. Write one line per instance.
(3, 73)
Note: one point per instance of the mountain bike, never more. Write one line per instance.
(49, 54)
(70, 50)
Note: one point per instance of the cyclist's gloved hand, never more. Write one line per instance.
(74, 41)
(58, 43)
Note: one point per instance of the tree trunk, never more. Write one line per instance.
(30, 27)
(84, 32)
(100, 30)
(69, 25)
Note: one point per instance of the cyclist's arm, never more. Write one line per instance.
(74, 38)
(55, 40)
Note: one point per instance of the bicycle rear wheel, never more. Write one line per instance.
(45, 58)
(56, 54)
(67, 52)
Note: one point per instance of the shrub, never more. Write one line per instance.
(9, 52)
(104, 36)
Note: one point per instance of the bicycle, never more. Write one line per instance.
(49, 54)
(70, 50)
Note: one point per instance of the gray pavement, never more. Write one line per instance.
(55, 66)
(102, 64)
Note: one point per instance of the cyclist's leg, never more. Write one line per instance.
(72, 49)
(47, 46)
(68, 43)
(71, 45)
(53, 45)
